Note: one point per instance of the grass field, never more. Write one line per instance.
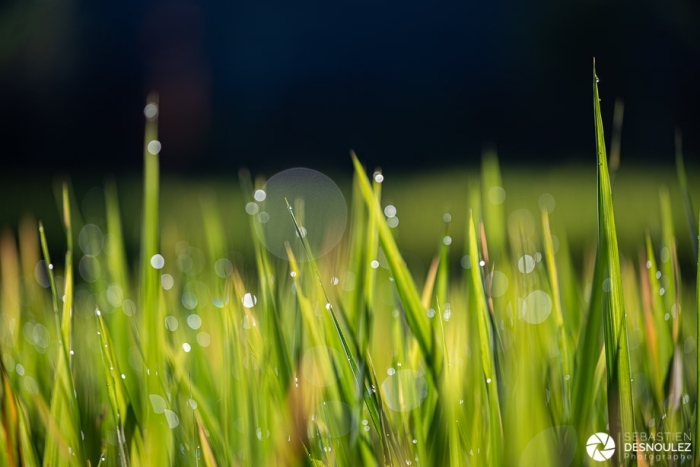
(500, 321)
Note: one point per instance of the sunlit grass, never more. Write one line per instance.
(191, 354)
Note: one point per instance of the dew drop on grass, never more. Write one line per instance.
(186, 347)
(378, 177)
(157, 261)
(41, 274)
(447, 217)
(546, 203)
(172, 418)
(390, 371)
(129, 307)
(526, 264)
(390, 210)
(648, 264)
(466, 262)
(91, 240)
(497, 195)
(499, 283)
(249, 300)
(447, 240)
(537, 307)
(430, 313)
(204, 339)
(392, 222)
(259, 195)
(223, 268)
(251, 208)
(607, 285)
(374, 264)
(154, 147)
(317, 204)
(405, 390)
(150, 111)
(89, 268)
(665, 255)
(171, 323)
(167, 281)
(194, 321)
(157, 402)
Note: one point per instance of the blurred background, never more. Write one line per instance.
(409, 85)
(415, 88)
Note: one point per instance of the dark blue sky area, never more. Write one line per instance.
(408, 85)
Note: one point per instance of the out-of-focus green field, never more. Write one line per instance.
(421, 200)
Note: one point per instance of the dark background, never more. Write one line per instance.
(411, 85)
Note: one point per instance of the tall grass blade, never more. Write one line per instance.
(620, 409)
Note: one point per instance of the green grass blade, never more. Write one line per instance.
(620, 409)
(487, 350)
(563, 337)
(685, 192)
(410, 299)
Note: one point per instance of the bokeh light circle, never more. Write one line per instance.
(317, 204)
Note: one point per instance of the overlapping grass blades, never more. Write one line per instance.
(350, 358)
(608, 279)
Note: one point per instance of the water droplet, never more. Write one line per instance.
(172, 418)
(390, 371)
(390, 211)
(607, 285)
(430, 312)
(171, 323)
(150, 111)
(374, 264)
(497, 195)
(249, 300)
(194, 321)
(466, 262)
(526, 264)
(157, 261)
(186, 347)
(154, 147)
(158, 403)
(251, 208)
(447, 240)
(204, 339)
(447, 217)
(537, 307)
(378, 177)
(167, 281)
(259, 195)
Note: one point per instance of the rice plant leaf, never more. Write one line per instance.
(487, 347)
(563, 337)
(685, 192)
(64, 405)
(415, 312)
(620, 408)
